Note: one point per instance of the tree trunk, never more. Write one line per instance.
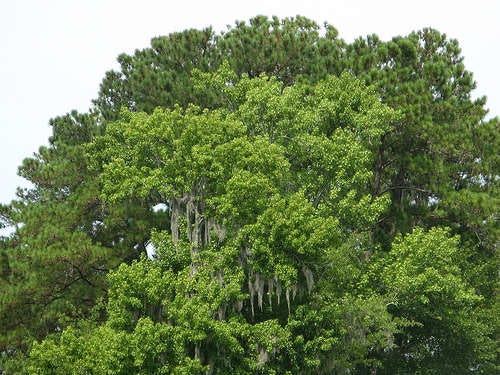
(174, 219)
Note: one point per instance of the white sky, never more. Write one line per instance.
(53, 54)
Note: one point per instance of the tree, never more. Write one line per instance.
(278, 180)
(422, 75)
(160, 76)
(423, 278)
(252, 230)
(441, 128)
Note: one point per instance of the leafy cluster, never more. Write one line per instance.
(309, 207)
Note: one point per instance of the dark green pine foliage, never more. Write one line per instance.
(436, 150)
(159, 75)
(285, 49)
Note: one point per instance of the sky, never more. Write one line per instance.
(53, 54)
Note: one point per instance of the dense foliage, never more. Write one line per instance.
(314, 207)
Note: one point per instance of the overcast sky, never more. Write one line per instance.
(54, 53)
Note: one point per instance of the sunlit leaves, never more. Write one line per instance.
(282, 189)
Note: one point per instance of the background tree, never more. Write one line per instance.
(160, 75)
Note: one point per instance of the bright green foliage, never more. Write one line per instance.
(259, 229)
(302, 230)
(423, 277)
(439, 162)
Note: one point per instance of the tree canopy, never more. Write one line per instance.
(310, 206)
